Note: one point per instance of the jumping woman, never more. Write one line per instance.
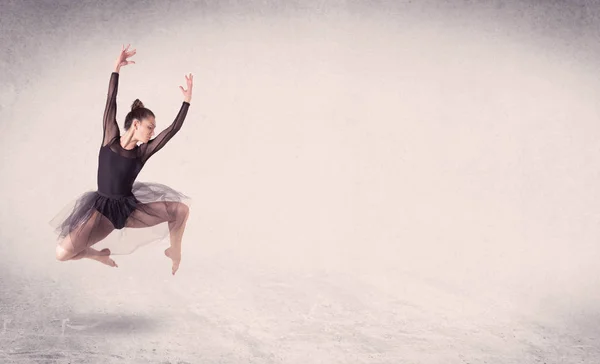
(120, 202)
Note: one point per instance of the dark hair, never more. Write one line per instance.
(138, 111)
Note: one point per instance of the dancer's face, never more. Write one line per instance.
(145, 130)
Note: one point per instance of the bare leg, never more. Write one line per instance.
(176, 229)
(77, 244)
(154, 213)
(103, 256)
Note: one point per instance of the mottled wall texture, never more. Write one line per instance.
(373, 181)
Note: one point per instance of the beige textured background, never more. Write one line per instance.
(374, 182)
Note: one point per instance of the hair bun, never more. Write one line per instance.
(137, 104)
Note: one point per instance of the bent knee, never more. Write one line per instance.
(182, 211)
(62, 254)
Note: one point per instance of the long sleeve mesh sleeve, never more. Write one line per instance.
(154, 145)
(111, 128)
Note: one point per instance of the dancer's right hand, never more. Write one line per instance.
(122, 58)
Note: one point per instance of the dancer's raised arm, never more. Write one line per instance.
(111, 128)
(154, 145)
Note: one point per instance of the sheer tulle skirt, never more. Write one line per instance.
(121, 224)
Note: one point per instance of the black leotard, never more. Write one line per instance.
(119, 167)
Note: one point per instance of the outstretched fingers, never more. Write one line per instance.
(190, 79)
(125, 54)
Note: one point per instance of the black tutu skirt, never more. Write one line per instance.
(121, 224)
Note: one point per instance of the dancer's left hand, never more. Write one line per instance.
(187, 94)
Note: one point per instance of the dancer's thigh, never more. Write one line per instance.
(150, 214)
(96, 228)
